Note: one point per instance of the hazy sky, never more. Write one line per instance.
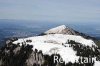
(51, 10)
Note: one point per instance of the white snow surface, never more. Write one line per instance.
(97, 63)
(56, 29)
(54, 43)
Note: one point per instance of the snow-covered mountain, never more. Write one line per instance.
(56, 43)
(61, 30)
(64, 41)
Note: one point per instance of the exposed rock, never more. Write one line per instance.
(35, 58)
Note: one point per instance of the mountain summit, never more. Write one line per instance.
(61, 30)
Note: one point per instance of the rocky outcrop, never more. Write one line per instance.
(15, 55)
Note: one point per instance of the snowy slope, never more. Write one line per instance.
(56, 29)
(56, 42)
(52, 43)
(58, 39)
(61, 30)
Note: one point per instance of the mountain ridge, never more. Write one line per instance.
(62, 29)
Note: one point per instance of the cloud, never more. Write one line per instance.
(51, 10)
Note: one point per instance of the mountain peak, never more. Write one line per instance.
(61, 26)
(62, 29)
